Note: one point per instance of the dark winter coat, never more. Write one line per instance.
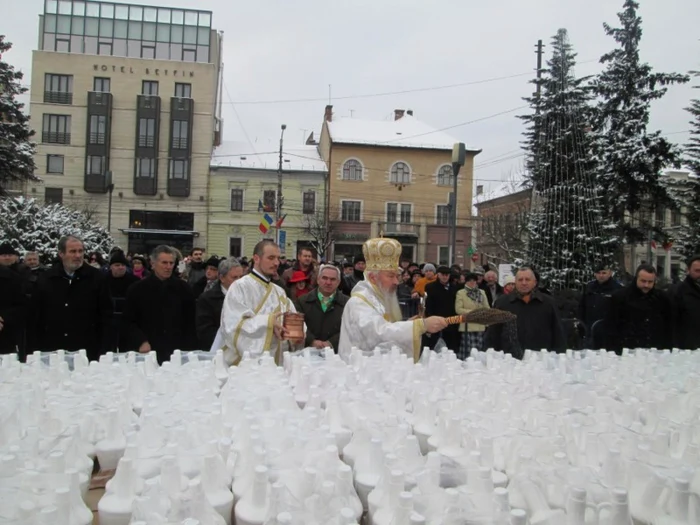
(12, 310)
(595, 301)
(195, 271)
(687, 315)
(200, 286)
(489, 295)
(538, 325)
(162, 314)
(116, 289)
(320, 325)
(441, 301)
(69, 313)
(349, 281)
(208, 320)
(638, 320)
(33, 278)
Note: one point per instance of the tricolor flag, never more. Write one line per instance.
(265, 223)
(279, 222)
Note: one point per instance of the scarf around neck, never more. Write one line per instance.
(474, 294)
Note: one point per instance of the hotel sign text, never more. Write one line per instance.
(149, 71)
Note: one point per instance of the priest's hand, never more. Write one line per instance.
(277, 327)
(145, 348)
(434, 324)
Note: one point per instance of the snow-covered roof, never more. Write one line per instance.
(265, 156)
(406, 132)
(682, 172)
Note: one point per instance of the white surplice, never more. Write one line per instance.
(248, 317)
(366, 324)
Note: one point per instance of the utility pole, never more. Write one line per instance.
(539, 52)
(278, 200)
(110, 189)
(458, 158)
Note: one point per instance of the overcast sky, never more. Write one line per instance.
(293, 49)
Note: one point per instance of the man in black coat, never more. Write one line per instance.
(211, 302)
(538, 324)
(440, 301)
(687, 308)
(357, 275)
(12, 310)
(117, 283)
(595, 300)
(640, 316)
(160, 309)
(69, 307)
(210, 277)
(323, 309)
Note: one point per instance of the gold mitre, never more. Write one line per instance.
(382, 254)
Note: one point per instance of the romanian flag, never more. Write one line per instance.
(265, 223)
(280, 221)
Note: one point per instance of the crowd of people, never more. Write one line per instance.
(166, 301)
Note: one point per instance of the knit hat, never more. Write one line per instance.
(213, 262)
(444, 270)
(7, 249)
(118, 258)
(510, 279)
(358, 259)
(297, 277)
(429, 268)
(478, 271)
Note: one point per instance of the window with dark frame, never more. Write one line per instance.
(178, 169)
(101, 84)
(56, 129)
(62, 45)
(53, 196)
(676, 217)
(235, 247)
(269, 199)
(352, 170)
(149, 87)
(95, 165)
(351, 211)
(443, 215)
(183, 90)
(180, 134)
(58, 89)
(146, 168)
(236, 199)
(400, 173)
(54, 163)
(104, 48)
(189, 55)
(309, 202)
(98, 129)
(148, 51)
(147, 132)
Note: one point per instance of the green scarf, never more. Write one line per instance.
(326, 302)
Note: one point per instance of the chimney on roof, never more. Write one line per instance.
(310, 141)
(328, 115)
(409, 112)
(398, 113)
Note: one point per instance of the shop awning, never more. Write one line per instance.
(160, 232)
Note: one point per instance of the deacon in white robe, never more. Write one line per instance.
(372, 317)
(251, 318)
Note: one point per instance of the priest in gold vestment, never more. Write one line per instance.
(372, 316)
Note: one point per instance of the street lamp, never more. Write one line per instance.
(459, 155)
(110, 189)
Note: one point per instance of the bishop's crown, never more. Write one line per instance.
(382, 254)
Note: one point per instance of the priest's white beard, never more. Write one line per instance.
(390, 301)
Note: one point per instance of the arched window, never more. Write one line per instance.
(400, 173)
(352, 170)
(444, 176)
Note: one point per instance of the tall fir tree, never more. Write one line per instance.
(630, 158)
(689, 237)
(16, 148)
(566, 234)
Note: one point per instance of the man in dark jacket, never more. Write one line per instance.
(687, 308)
(160, 309)
(595, 300)
(304, 263)
(211, 302)
(538, 322)
(32, 262)
(117, 283)
(440, 300)
(210, 278)
(491, 287)
(358, 274)
(323, 309)
(69, 305)
(640, 316)
(12, 310)
(196, 268)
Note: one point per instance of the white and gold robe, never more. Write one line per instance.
(367, 324)
(248, 317)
